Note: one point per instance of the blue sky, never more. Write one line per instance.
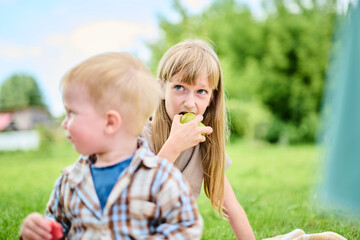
(44, 38)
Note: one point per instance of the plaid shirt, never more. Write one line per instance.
(150, 200)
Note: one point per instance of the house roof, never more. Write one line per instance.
(5, 120)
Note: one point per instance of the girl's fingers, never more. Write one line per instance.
(191, 133)
(202, 138)
(207, 130)
(198, 118)
(176, 118)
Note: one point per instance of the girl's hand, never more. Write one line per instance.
(35, 227)
(182, 137)
(187, 135)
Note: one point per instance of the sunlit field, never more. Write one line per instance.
(275, 185)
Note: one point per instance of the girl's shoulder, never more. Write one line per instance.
(147, 131)
(146, 134)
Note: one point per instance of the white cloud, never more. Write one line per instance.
(55, 40)
(196, 5)
(35, 51)
(107, 36)
(63, 50)
(12, 51)
(17, 51)
(102, 36)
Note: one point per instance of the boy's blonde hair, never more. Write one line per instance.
(118, 81)
(193, 59)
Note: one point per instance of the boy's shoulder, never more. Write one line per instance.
(75, 173)
(161, 166)
(153, 175)
(148, 157)
(81, 161)
(68, 169)
(153, 162)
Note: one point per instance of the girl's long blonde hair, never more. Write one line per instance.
(192, 59)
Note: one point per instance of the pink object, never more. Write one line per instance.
(56, 230)
(5, 120)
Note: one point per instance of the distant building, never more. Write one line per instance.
(17, 128)
(5, 120)
(24, 119)
(19, 140)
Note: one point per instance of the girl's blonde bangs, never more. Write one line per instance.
(192, 59)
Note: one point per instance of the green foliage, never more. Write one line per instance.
(48, 136)
(279, 63)
(20, 91)
(248, 119)
(294, 67)
(286, 133)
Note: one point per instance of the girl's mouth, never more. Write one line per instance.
(182, 113)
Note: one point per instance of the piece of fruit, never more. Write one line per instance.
(56, 230)
(187, 117)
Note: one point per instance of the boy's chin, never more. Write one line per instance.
(81, 151)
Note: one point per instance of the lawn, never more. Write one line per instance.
(274, 184)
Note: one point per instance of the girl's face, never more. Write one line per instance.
(181, 97)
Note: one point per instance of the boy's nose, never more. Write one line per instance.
(64, 123)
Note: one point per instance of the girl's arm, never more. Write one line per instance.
(237, 216)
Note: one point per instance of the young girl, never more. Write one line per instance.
(191, 78)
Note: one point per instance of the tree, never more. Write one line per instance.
(20, 91)
(294, 66)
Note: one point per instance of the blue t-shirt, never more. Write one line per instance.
(105, 178)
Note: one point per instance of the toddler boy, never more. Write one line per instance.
(117, 189)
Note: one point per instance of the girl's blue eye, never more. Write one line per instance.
(202, 92)
(179, 87)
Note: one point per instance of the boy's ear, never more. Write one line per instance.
(113, 121)
(162, 85)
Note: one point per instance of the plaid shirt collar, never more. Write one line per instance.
(79, 173)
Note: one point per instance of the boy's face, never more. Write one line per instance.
(181, 97)
(84, 125)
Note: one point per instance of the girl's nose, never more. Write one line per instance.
(189, 101)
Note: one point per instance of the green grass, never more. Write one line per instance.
(276, 187)
(274, 184)
(27, 180)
